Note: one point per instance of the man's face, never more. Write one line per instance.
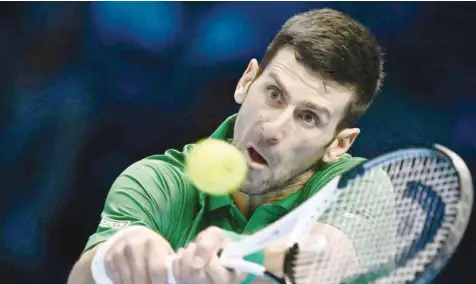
(287, 122)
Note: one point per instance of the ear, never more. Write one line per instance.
(340, 145)
(245, 81)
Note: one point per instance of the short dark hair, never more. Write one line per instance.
(338, 48)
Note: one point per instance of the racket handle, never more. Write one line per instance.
(241, 265)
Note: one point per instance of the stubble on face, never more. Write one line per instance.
(298, 148)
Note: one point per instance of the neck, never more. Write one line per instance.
(248, 203)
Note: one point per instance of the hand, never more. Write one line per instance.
(138, 257)
(198, 263)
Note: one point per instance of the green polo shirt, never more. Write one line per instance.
(156, 193)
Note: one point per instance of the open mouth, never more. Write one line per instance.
(256, 157)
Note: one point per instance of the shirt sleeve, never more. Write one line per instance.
(148, 193)
(366, 213)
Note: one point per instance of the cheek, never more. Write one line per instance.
(248, 108)
(254, 100)
(251, 110)
(248, 115)
(307, 154)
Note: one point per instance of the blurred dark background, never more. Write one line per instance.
(89, 88)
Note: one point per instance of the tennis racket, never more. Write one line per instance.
(431, 206)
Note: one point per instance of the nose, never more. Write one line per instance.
(276, 128)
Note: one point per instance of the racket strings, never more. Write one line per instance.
(424, 228)
(398, 235)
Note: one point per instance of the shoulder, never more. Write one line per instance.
(345, 163)
(158, 172)
(376, 181)
(159, 179)
(158, 186)
(329, 171)
(151, 172)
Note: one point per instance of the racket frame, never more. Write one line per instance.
(303, 216)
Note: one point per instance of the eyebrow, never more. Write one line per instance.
(307, 103)
(318, 108)
(275, 77)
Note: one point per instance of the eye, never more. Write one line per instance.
(275, 96)
(309, 118)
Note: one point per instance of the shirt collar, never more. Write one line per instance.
(216, 202)
(223, 132)
(285, 205)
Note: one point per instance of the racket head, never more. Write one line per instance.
(464, 209)
(419, 177)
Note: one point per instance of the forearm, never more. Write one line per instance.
(81, 272)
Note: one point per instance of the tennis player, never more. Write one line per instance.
(296, 123)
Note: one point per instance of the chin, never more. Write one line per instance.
(255, 188)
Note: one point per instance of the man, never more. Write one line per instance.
(295, 125)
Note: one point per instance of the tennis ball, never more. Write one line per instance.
(216, 167)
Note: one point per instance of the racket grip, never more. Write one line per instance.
(241, 265)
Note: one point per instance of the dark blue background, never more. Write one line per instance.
(89, 88)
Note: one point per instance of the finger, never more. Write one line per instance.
(208, 243)
(164, 244)
(136, 258)
(120, 264)
(112, 271)
(189, 274)
(185, 263)
(239, 277)
(176, 263)
(156, 261)
(220, 274)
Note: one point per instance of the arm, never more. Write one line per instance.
(144, 194)
(81, 272)
(137, 254)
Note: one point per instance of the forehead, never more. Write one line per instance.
(303, 84)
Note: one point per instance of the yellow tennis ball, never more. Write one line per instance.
(216, 167)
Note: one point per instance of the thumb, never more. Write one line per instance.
(208, 243)
(220, 274)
